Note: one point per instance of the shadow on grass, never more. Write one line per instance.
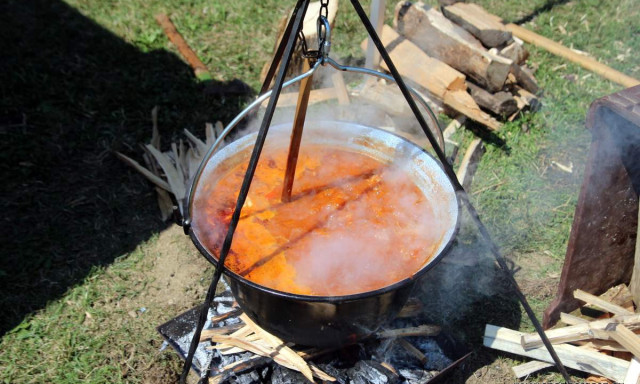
(547, 6)
(72, 93)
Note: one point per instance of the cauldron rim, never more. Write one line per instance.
(341, 298)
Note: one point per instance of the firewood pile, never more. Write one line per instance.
(464, 58)
(600, 338)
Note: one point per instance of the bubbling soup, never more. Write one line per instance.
(354, 224)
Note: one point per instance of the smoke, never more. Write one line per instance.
(465, 277)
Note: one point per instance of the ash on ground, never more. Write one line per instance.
(372, 361)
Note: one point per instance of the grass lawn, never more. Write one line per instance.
(88, 269)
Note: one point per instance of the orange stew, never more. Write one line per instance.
(353, 225)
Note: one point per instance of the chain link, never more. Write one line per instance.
(324, 8)
(322, 33)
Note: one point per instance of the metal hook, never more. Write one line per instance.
(324, 38)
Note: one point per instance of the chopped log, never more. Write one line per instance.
(422, 330)
(500, 103)
(469, 163)
(486, 27)
(525, 99)
(633, 374)
(584, 61)
(515, 51)
(508, 340)
(442, 81)
(440, 38)
(600, 303)
(525, 79)
(626, 338)
(533, 366)
(585, 331)
(463, 103)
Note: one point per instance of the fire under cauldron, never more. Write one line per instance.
(330, 321)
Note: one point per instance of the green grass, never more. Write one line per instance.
(79, 80)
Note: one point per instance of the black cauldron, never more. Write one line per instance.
(332, 321)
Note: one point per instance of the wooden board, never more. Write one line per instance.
(508, 340)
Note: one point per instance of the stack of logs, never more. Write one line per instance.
(601, 338)
(464, 57)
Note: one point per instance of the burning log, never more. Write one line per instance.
(446, 41)
(486, 27)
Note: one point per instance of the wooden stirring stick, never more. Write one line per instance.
(296, 134)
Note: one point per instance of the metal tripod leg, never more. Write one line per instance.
(458, 187)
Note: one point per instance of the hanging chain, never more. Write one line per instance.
(323, 44)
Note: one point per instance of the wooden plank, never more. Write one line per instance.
(376, 15)
(440, 38)
(600, 303)
(585, 331)
(508, 340)
(480, 23)
(626, 338)
(570, 319)
(342, 93)
(633, 374)
(533, 366)
(562, 51)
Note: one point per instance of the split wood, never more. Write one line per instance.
(249, 337)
